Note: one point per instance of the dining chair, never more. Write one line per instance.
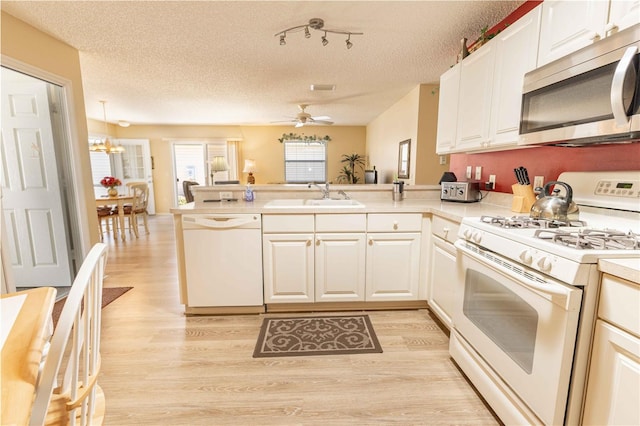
(73, 360)
(138, 207)
(107, 214)
(186, 189)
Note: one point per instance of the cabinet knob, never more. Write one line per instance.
(308, 243)
(395, 225)
(318, 242)
(610, 27)
(593, 36)
(370, 242)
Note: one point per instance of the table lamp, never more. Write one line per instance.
(218, 164)
(250, 167)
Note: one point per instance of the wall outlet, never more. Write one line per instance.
(224, 195)
(538, 182)
(468, 174)
(478, 172)
(442, 159)
(492, 179)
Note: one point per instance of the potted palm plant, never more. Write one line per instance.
(348, 173)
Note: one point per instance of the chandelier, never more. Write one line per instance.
(106, 146)
(316, 24)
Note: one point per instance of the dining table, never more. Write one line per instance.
(26, 328)
(119, 200)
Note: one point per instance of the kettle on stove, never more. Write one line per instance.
(554, 207)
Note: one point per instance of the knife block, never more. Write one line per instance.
(523, 198)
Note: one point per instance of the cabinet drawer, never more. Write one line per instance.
(341, 222)
(287, 223)
(400, 222)
(445, 228)
(619, 301)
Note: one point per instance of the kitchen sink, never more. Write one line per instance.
(296, 203)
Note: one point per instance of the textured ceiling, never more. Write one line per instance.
(218, 62)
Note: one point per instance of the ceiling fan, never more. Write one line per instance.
(304, 117)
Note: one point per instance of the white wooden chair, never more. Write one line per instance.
(76, 341)
(140, 194)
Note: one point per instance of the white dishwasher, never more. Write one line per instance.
(223, 259)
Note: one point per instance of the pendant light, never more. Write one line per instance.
(106, 146)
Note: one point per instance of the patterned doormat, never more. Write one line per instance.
(331, 335)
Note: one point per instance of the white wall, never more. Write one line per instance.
(398, 123)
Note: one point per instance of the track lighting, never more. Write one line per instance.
(317, 24)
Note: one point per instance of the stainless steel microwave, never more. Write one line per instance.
(589, 96)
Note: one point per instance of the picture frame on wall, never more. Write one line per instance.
(404, 157)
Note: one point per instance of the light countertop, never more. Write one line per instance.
(628, 269)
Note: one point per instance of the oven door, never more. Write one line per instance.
(521, 323)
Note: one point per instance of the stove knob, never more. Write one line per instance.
(544, 264)
(477, 237)
(526, 257)
(467, 234)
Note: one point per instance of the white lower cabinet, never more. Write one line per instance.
(613, 387)
(339, 267)
(442, 268)
(288, 268)
(393, 257)
(330, 258)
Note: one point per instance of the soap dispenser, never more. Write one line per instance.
(248, 194)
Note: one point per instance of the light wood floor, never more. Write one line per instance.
(160, 367)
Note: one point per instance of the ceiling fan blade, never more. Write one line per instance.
(299, 124)
(322, 122)
(321, 117)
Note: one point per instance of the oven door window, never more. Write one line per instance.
(503, 316)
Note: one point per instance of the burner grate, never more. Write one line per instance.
(592, 239)
(529, 222)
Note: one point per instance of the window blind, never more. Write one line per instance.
(305, 161)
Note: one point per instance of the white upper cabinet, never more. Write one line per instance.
(474, 106)
(481, 98)
(448, 110)
(516, 55)
(569, 25)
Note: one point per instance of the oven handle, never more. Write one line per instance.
(557, 293)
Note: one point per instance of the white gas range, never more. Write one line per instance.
(526, 296)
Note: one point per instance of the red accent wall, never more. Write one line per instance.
(547, 161)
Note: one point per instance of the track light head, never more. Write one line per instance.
(307, 34)
(324, 39)
(348, 42)
(282, 40)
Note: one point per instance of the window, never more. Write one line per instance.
(305, 161)
(100, 164)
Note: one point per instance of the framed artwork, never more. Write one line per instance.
(404, 157)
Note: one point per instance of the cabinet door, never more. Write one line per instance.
(448, 110)
(474, 106)
(340, 267)
(623, 14)
(569, 25)
(441, 271)
(393, 266)
(288, 268)
(516, 54)
(613, 390)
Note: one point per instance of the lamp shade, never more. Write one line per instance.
(249, 166)
(219, 164)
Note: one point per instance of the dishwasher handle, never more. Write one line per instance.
(220, 221)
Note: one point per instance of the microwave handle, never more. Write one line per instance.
(617, 86)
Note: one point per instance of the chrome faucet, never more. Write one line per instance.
(344, 194)
(325, 190)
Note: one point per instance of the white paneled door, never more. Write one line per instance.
(31, 199)
(134, 165)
